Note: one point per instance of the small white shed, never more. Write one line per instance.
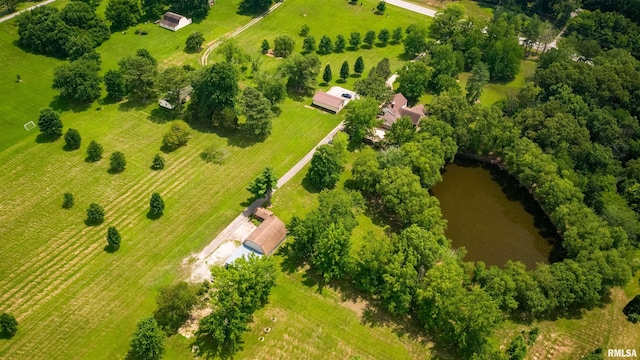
(328, 102)
(173, 21)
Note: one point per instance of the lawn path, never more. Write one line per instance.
(11, 16)
(205, 57)
(200, 269)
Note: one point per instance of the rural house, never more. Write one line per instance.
(185, 95)
(397, 109)
(173, 21)
(269, 234)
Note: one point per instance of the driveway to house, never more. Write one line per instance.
(205, 57)
(413, 7)
(11, 16)
(199, 268)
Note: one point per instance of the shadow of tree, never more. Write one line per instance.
(43, 139)
(61, 105)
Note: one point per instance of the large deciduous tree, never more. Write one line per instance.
(114, 83)
(139, 75)
(174, 303)
(78, 81)
(194, 42)
(123, 13)
(171, 83)
(198, 9)
(147, 342)
(414, 79)
(214, 89)
(254, 6)
(264, 185)
(415, 42)
(361, 119)
(479, 78)
(272, 85)
(283, 46)
(302, 71)
(327, 164)
(178, 135)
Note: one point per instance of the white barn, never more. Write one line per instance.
(173, 21)
(328, 101)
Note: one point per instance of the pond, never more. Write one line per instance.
(492, 216)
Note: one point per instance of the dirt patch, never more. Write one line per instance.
(189, 328)
(358, 306)
(201, 268)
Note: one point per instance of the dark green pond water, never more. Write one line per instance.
(492, 216)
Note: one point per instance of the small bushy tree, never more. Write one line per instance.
(178, 135)
(194, 42)
(381, 7)
(354, 39)
(117, 162)
(67, 200)
(113, 238)
(340, 44)
(264, 184)
(369, 38)
(309, 44)
(383, 36)
(397, 35)
(304, 30)
(158, 162)
(265, 46)
(156, 205)
(94, 151)
(49, 123)
(147, 343)
(95, 214)
(325, 46)
(8, 326)
(283, 46)
(72, 139)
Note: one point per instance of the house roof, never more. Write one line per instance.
(269, 233)
(399, 101)
(327, 99)
(170, 18)
(415, 113)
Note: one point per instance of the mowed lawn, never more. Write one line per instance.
(331, 17)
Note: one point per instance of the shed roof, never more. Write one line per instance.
(269, 233)
(171, 18)
(327, 99)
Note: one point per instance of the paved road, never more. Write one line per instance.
(205, 57)
(413, 7)
(11, 16)
(200, 260)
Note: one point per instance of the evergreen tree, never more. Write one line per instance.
(72, 139)
(344, 71)
(327, 76)
(113, 238)
(358, 67)
(158, 162)
(117, 162)
(156, 205)
(264, 184)
(94, 151)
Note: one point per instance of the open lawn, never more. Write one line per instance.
(331, 17)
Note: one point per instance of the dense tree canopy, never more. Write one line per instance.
(123, 13)
(302, 71)
(78, 81)
(214, 89)
(49, 123)
(147, 342)
(257, 110)
(361, 119)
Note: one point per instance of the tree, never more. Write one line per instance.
(94, 151)
(309, 44)
(255, 6)
(361, 119)
(174, 303)
(340, 44)
(114, 83)
(503, 58)
(326, 166)
(416, 41)
(257, 110)
(264, 48)
(95, 214)
(331, 257)
(198, 9)
(414, 79)
(117, 162)
(194, 42)
(375, 87)
(264, 184)
(381, 7)
(344, 71)
(304, 30)
(369, 38)
(354, 40)
(123, 13)
(158, 162)
(325, 46)
(49, 123)
(397, 35)
(479, 78)
(272, 85)
(67, 200)
(383, 36)
(43, 31)
(326, 75)
(233, 53)
(147, 342)
(10, 5)
(156, 205)
(171, 82)
(139, 75)
(358, 67)
(113, 238)
(382, 69)
(72, 139)
(78, 81)
(302, 71)
(283, 46)
(153, 9)
(8, 326)
(214, 89)
(632, 310)
(178, 135)
(401, 132)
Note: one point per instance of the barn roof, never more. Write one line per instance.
(269, 233)
(327, 99)
(171, 18)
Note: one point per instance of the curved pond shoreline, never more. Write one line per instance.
(493, 216)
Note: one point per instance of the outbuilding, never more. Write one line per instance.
(268, 235)
(328, 102)
(173, 21)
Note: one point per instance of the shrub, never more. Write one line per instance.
(67, 202)
(304, 31)
(632, 310)
(72, 139)
(117, 162)
(94, 151)
(8, 325)
(194, 41)
(158, 162)
(178, 135)
(212, 155)
(95, 214)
